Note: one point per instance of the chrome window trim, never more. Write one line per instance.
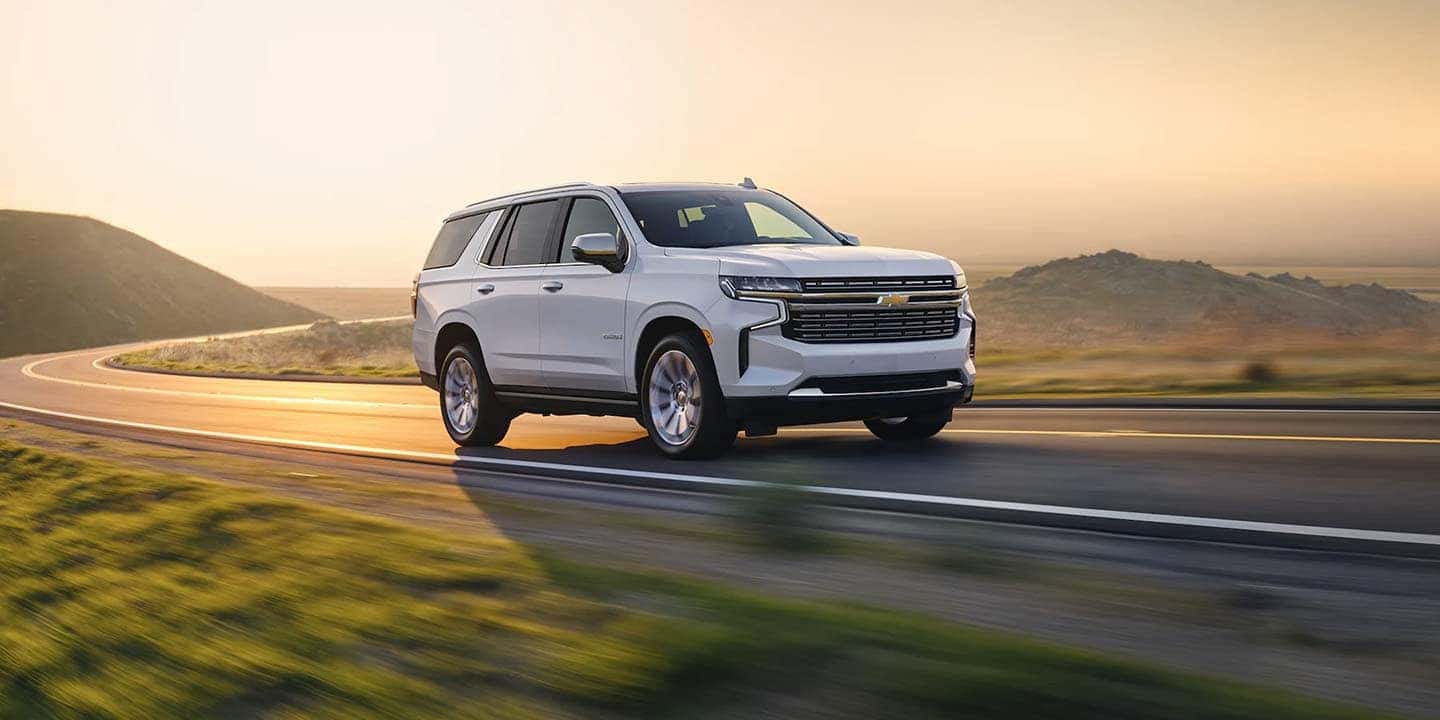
(505, 210)
(500, 215)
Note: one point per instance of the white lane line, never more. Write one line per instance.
(29, 370)
(703, 481)
(980, 406)
(1151, 434)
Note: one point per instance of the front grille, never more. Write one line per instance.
(850, 310)
(879, 325)
(873, 284)
(881, 383)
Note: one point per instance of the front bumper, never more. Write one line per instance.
(805, 406)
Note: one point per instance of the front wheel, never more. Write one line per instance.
(683, 409)
(915, 427)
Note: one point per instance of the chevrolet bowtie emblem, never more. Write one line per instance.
(893, 299)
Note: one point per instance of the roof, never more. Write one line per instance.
(481, 206)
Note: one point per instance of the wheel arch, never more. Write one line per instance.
(658, 327)
(453, 331)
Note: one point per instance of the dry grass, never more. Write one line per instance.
(1381, 366)
(325, 348)
(1304, 365)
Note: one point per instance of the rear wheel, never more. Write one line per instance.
(473, 415)
(682, 407)
(914, 427)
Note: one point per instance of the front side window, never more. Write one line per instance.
(589, 215)
(454, 237)
(724, 216)
(529, 237)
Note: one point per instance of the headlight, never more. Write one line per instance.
(959, 274)
(733, 285)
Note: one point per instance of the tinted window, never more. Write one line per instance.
(530, 234)
(496, 251)
(588, 215)
(723, 216)
(451, 242)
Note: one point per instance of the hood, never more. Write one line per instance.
(802, 261)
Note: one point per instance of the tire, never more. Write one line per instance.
(680, 392)
(473, 416)
(915, 427)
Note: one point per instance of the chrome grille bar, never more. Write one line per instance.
(850, 310)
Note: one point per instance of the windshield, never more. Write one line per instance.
(723, 216)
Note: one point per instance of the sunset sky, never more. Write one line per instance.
(320, 143)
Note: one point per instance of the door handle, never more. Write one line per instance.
(552, 285)
(485, 289)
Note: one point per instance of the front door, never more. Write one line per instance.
(582, 309)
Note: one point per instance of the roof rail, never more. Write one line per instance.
(561, 186)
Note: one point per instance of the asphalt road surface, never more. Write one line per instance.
(1375, 471)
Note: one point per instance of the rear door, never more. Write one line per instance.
(506, 299)
(582, 307)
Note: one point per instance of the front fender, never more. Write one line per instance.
(670, 309)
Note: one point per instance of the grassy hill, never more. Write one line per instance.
(70, 282)
(1119, 296)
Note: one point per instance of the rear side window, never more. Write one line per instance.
(450, 244)
(588, 215)
(530, 234)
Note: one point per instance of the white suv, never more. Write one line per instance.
(698, 309)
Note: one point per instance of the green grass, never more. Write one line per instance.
(128, 593)
(366, 350)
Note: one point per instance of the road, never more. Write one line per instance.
(1329, 473)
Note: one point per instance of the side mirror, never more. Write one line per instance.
(848, 239)
(598, 249)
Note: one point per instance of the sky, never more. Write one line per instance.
(321, 143)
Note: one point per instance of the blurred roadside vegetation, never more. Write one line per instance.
(133, 593)
(1313, 366)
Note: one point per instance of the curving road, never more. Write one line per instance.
(1343, 475)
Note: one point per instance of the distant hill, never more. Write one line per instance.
(71, 282)
(1119, 295)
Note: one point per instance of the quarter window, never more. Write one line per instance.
(454, 237)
